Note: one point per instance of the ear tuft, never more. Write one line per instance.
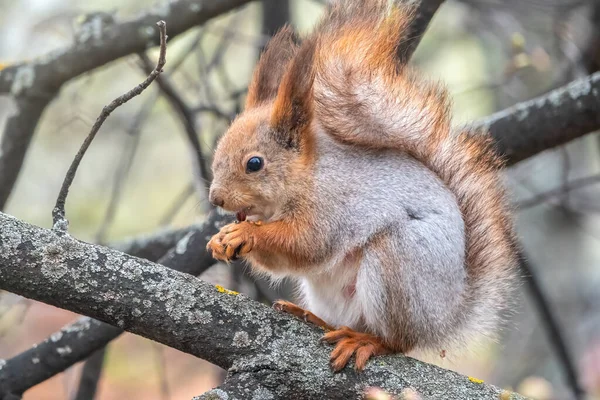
(293, 107)
(271, 67)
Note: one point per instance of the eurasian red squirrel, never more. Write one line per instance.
(347, 176)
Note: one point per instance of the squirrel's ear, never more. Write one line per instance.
(271, 67)
(293, 107)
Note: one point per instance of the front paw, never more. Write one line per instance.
(233, 241)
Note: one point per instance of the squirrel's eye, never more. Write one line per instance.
(254, 164)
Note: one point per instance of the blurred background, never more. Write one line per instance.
(138, 174)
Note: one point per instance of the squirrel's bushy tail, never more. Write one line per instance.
(363, 95)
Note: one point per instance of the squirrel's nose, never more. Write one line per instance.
(215, 199)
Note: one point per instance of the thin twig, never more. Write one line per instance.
(567, 188)
(92, 370)
(161, 362)
(187, 117)
(58, 214)
(552, 327)
(215, 111)
(424, 13)
(134, 135)
(565, 197)
(134, 132)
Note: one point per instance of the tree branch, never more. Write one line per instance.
(547, 121)
(58, 214)
(121, 173)
(100, 40)
(15, 140)
(265, 351)
(188, 119)
(424, 13)
(62, 349)
(187, 254)
(90, 375)
(554, 331)
(568, 187)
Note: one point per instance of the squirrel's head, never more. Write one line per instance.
(266, 154)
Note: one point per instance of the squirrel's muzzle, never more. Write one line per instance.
(215, 199)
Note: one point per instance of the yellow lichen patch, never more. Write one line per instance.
(475, 380)
(221, 289)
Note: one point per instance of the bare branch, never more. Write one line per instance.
(100, 40)
(187, 255)
(553, 330)
(154, 246)
(567, 188)
(90, 375)
(61, 350)
(122, 170)
(114, 39)
(188, 119)
(547, 121)
(425, 12)
(275, 14)
(264, 350)
(58, 214)
(14, 142)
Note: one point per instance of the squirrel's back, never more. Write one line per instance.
(364, 96)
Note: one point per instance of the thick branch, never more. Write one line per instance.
(282, 355)
(425, 11)
(187, 254)
(547, 121)
(14, 142)
(101, 39)
(55, 354)
(154, 246)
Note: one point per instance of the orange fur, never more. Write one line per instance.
(349, 342)
(267, 76)
(305, 315)
(346, 80)
(356, 67)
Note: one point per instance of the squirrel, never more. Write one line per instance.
(346, 175)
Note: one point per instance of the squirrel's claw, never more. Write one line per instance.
(233, 241)
(349, 342)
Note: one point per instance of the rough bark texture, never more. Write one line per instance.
(102, 39)
(547, 121)
(268, 354)
(182, 250)
(57, 353)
